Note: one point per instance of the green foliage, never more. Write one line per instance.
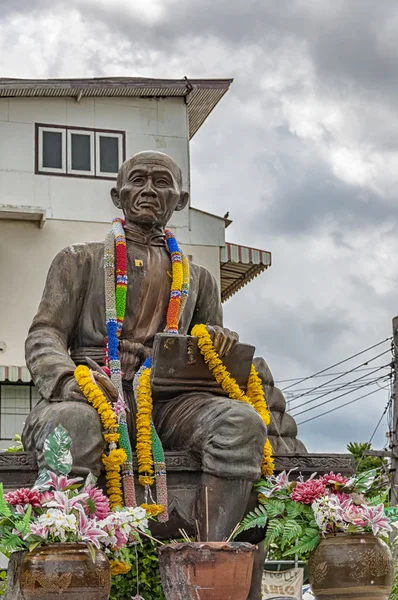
(18, 444)
(3, 582)
(5, 510)
(57, 451)
(150, 585)
(365, 463)
(286, 523)
(394, 593)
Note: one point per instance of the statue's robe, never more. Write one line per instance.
(226, 435)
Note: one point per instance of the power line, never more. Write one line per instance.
(338, 363)
(341, 406)
(375, 429)
(341, 387)
(331, 400)
(290, 395)
(316, 376)
(347, 373)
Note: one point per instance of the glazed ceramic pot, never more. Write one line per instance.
(351, 567)
(65, 571)
(206, 570)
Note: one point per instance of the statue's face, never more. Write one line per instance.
(149, 193)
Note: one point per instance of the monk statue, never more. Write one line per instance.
(226, 435)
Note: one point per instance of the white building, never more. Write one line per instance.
(61, 143)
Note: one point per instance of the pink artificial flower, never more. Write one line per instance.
(97, 504)
(376, 518)
(88, 532)
(341, 496)
(61, 482)
(38, 529)
(63, 502)
(24, 496)
(353, 514)
(308, 491)
(331, 479)
(46, 497)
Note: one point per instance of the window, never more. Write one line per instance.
(52, 150)
(16, 402)
(78, 151)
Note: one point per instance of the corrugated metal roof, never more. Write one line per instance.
(201, 95)
(15, 374)
(239, 266)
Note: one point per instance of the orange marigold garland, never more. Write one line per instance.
(255, 395)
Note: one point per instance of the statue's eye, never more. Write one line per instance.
(138, 180)
(162, 182)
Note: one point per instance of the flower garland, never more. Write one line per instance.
(150, 455)
(115, 268)
(254, 395)
(109, 420)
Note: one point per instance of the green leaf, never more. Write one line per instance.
(91, 549)
(5, 510)
(274, 508)
(43, 481)
(379, 498)
(293, 509)
(305, 546)
(392, 513)
(57, 451)
(23, 525)
(90, 480)
(291, 531)
(256, 518)
(274, 530)
(34, 545)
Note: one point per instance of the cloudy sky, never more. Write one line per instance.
(302, 152)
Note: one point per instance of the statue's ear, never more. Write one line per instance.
(183, 201)
(115, 197)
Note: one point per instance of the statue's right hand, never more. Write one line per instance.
(70, 391)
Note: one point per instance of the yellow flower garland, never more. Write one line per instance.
(116, 457)
(144, 431)
(254, 394)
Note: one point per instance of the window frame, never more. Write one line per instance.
(69, 169)
(39, 170)
(119, 136)
(4, 384)
(39, 150)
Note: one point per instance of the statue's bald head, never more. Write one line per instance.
(149, 189)
(149, 157)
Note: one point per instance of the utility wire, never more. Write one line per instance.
(338, 407)
(317, 376)
(341, 387)
(331, 400)
(338, 363)
(347, 373)
(311, 391)
(375, 429)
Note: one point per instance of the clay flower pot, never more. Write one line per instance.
(351, 566)
(65, 571)
(206, 570)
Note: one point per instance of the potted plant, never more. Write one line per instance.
(67, 537)
(339, 524)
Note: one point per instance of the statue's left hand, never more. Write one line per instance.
(224, 340)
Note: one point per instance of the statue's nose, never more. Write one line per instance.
(149, 190)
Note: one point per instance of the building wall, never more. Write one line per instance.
(150, 124)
